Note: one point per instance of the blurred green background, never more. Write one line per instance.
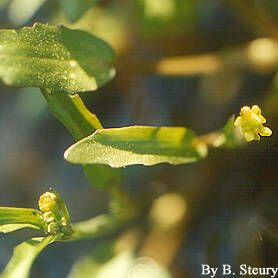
(179, 63)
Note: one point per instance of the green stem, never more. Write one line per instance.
(99, 226)
(72, 113)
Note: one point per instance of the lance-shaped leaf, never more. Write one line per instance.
(23, 257)
(56, 58)
(119, 147)
(12, 219)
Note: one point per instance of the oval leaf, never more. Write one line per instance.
(55, 58)
(119, 147)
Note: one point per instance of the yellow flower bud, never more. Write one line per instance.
(55, 214)
(48, 217)
(251, 123)
(47, 201)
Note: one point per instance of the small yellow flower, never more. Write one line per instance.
(251, 123)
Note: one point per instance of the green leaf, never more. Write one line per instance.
(23, 257)
(56, 58)
(12, 219)
(8, 228)
(74, 9)
(119, 147)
